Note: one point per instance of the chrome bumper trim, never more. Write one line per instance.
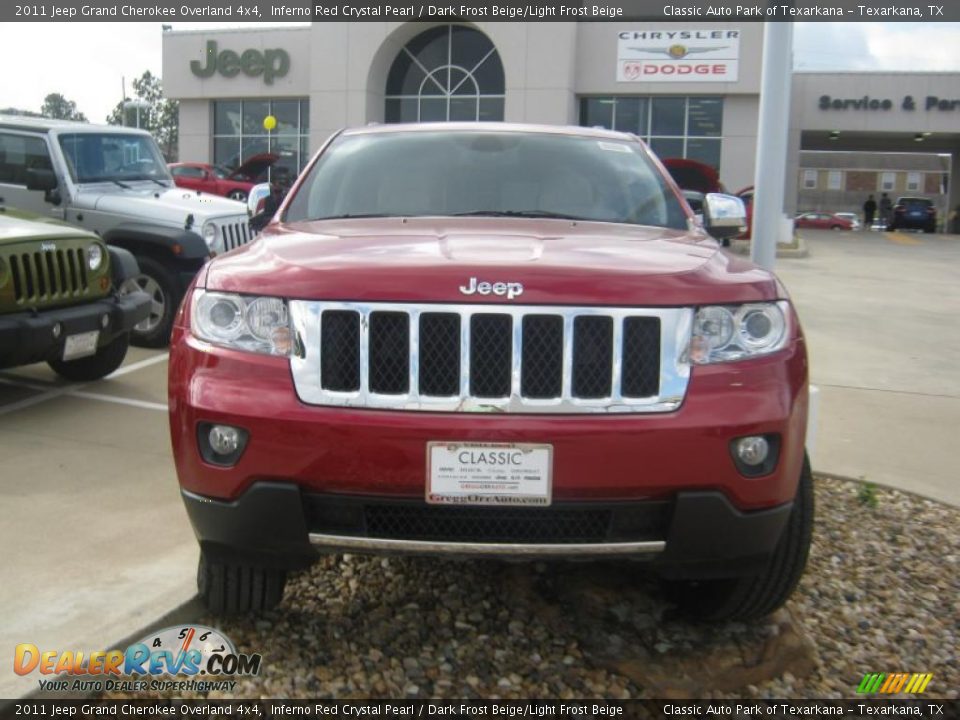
(528, 550)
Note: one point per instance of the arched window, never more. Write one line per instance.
(447, 73)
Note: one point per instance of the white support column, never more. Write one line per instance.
(772, 136)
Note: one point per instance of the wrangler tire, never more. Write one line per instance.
(108, 358)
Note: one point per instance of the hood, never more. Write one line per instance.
(254, 167)
(20, 225)
(149, 202)
(693, 175)
(430, 259)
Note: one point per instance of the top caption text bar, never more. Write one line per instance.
(257, 11)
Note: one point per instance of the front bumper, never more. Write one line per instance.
(697, 534)
(310, 476)
(27, 337)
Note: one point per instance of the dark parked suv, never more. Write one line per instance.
(914, 213)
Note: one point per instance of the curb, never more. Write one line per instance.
(742, 247)
(186, 612)
(826, 474)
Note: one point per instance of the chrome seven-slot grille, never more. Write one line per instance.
(490, 358)
(235, 235)
(48, 275)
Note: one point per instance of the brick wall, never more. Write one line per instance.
(862, 181)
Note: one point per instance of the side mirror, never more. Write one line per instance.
(41, 179)
(258, 198)
(724, 216)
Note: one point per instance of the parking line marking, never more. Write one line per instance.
(902, 239)
(120, 400)
(36, 400)
(72, 389)
(133, 367)
(28, 384)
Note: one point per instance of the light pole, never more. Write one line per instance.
(138, 104)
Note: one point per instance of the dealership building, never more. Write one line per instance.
(690, 90)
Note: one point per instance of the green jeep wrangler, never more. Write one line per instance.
(58, 299)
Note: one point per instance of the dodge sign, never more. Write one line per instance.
(678, 55)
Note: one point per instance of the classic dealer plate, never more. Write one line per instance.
(510, 474)
(80, 345)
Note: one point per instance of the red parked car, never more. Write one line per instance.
(822, 221)
(542, 357)
(217, 180)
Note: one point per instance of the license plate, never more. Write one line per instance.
(80, 345)
(511, 474)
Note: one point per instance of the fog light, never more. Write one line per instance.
(753, 450)
(755, 455)
(224, 440)
(221, 444)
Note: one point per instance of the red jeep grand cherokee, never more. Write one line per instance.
(493, 340)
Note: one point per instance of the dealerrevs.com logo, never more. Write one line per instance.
(183, 650)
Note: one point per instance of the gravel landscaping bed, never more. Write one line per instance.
(881, 594)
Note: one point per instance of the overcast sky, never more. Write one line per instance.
(87, 62)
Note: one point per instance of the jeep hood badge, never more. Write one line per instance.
(510, 289)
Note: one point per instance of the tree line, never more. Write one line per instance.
(157, 114)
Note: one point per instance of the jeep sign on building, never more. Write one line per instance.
(691, 90)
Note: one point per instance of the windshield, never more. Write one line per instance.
(486, 173)
(105, 157)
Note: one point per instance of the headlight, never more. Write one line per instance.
(254, 324)
(210, 235)
(94, 257)
(722, 333)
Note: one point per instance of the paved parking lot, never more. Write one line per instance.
(98, 544)
(879, 312)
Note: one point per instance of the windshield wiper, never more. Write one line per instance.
(123, 185)
(519, 213)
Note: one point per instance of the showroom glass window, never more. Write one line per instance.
(238, 133)
(674, 126)
(446, 74)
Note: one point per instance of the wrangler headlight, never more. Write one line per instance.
(242, 322)
(94, 257)
(210, 235)
(735, 332)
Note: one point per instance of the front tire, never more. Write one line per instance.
(94, 367)
(235, 587)
(159, 283)
(755, 596)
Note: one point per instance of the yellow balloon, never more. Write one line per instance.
(269, 123)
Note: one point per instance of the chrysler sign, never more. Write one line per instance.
(678, 55)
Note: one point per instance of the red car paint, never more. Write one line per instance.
(694, 175)
(371, 451)
(220, 181)
(822, 221)
(381, 453)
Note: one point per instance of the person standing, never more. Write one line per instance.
(886, 210)
(869, 210)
